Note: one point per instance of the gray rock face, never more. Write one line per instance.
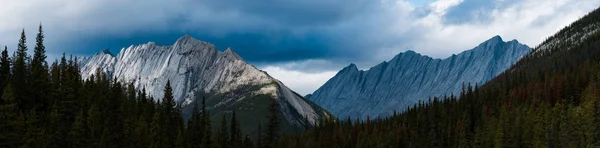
(410, 77)
(195, 69)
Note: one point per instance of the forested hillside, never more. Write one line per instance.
(52, 106)
(548, 99)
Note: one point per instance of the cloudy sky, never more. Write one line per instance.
(301, 42)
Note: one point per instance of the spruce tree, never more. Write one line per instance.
(236, 135)
(56, 135)
(223, 135)
(206, 126)
(170, 116)
(39, 72)
(4, 69)
(156, 131)
(39, 55)
(273, 126)
(194, 131)
(259, 139)
(142, 133)
(20, 74)
(95, 124)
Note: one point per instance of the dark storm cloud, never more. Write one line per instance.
(295, 12)
(261, 31)
(270, 31)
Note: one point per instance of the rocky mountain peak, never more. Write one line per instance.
(229, 53)
(197, 70)
(410, 77)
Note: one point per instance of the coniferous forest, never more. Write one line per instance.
(550, 98)
(52, 106)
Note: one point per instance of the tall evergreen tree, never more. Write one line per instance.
(156, 131)
(4, 69)
(95, 124)
(20, 74)
(273, 126)
(194, 128)
(236, 134)
(206, 126)
(259, 136)
(170, 116)
(39, 72)
(223, 135)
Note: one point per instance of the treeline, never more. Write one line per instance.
(45, 105)
(545, 100)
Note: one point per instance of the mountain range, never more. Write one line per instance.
(411, 77)
(197, 70)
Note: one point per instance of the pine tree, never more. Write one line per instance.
(236, 134)
(95, 124)
(170, 116)
(259, 139)
(195, 131)
(273, 127)
(206, 126)
(56, 135)
(20, 75)
(39, 56)
(223, 135)
(4, 69)
(156, 131)
(142, 134)
(39, 72)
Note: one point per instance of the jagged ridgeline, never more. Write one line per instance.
(550, 98)
(411, 77)
(197, 69)
(136, 99)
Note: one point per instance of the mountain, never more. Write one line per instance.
(549, 98)
(197, 69)
(410, 77)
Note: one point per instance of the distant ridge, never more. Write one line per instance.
(409, 77)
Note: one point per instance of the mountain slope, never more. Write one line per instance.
(549, 98)
(196, 69)
(410, 77)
